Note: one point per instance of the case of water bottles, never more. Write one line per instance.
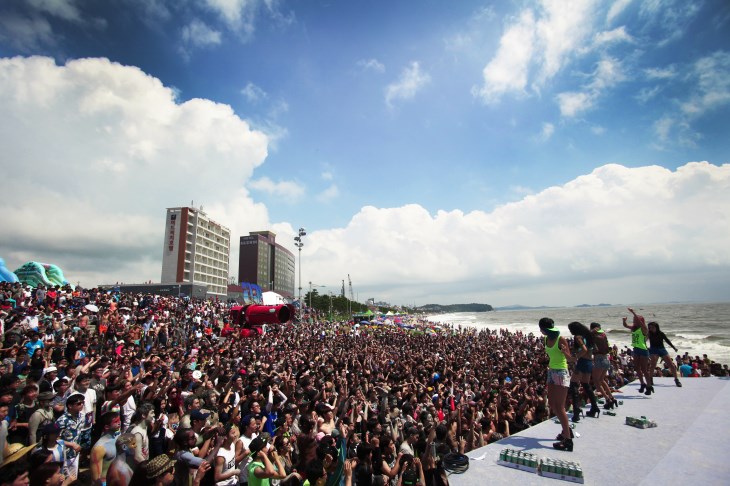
(641, 422)
(565, 470)
(524, 461)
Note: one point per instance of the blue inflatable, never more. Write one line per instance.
(5, 274)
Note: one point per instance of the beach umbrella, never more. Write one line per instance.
(91, 308)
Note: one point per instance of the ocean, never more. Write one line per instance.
(694, 328)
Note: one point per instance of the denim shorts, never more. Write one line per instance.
(641, 352)
(601, 362)
(558, 377)
(584, 365)
(659, 351)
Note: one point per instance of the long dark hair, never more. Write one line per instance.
(578, 329)
(655, 324)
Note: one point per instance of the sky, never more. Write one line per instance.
(498, 152)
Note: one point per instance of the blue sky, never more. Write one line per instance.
(497, 152)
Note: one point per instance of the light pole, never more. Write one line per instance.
(299, 243)
(311, 286)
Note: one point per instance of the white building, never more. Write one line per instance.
(196, 249)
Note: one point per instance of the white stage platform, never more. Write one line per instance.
(690, 445)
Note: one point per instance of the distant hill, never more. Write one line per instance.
(437, 308)
(520, 307)
(597, 305)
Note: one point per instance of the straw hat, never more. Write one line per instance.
(16, 451)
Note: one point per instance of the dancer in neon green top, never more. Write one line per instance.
(639, 332)
(558, 379)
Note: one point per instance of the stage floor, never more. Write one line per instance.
(689, 445)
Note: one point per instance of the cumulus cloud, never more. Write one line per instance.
(410, 82)
(644, 224)
(104, 149)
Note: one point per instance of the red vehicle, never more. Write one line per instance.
(251, 318)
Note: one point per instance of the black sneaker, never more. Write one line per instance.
(678, 383)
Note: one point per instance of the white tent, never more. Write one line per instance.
(272, 298)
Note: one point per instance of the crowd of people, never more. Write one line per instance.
(103, 388)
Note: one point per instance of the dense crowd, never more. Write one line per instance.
(117, 389)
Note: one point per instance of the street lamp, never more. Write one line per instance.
(299, 243)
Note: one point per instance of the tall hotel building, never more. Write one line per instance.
(264, 262)
(196, 249)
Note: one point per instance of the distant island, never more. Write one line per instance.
(597, 305)
(437, 308)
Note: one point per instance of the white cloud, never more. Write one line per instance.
(253, 93)
(283, 189)
(547, 131)
(607, 74)
(371, 65)
(327, 175)
(562, 29)
(237, 13)
(614, 36)
(616, 9)
(410, 82)
(613, 224)
(332, 192)
(28, 25)
(508, 70)
(240, 16)
(109, 149)
(572, 104)
(707, 90)
(647, 94)
(598, 130)
(537, 43)
(712, 89)
(668, 72)
(62, 9)
(198, 34)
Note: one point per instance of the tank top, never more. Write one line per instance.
(557, 358)
(638, 340)
(229, 462)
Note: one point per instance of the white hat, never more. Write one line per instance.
(50, 369)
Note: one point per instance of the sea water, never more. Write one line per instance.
(693, 328)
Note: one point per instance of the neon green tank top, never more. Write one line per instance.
(557, 358)
(638, 340)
